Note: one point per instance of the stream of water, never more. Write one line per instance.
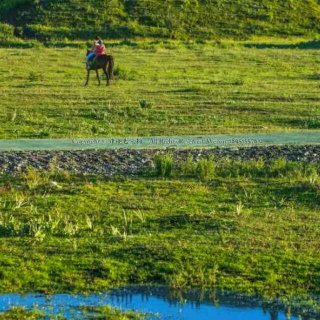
(158, 302)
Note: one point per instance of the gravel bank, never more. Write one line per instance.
(131, 162)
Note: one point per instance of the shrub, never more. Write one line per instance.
(250, 168)
(6, 31)
(188, 168)
(145, 104)
(205, 169)
(163, 165)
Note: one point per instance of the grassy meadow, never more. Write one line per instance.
(251, 227)
(161, 88)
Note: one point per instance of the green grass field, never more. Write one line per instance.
(250, 227)
(161, 88)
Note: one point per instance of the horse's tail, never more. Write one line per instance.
(111, 67)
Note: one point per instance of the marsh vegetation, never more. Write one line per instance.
(246, 226)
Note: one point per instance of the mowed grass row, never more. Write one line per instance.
(171, 88)
(250, 227)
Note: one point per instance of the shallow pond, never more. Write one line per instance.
(158, 302)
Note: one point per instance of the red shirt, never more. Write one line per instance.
(99, 49)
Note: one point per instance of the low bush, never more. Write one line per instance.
(6, 31)
(163, 165)
(203, 169)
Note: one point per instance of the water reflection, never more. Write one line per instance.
(168, 303)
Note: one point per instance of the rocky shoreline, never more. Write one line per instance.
(134, 161)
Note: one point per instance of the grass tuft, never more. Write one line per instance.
(163, 165)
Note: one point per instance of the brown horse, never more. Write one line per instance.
(101, 62)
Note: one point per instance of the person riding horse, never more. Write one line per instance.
(97, 58)
(97, 50)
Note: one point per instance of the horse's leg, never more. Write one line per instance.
(98, 76)
(88, 74)
(107, 74)
(111, 67)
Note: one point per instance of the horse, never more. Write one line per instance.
(101, 62)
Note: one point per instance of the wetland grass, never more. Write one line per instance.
(248, 226)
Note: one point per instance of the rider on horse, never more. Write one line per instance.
(97, 50)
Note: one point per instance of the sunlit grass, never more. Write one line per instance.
(245, 226)
(189, 88)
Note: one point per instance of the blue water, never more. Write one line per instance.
(152, 301)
